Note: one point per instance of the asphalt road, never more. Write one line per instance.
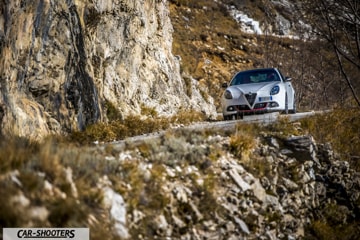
(268, 118)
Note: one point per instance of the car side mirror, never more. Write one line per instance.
(224, 85)
(288, 79)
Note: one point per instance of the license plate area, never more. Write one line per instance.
(265, 99)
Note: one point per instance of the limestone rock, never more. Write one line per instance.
(116, 205)
(244, 186)
(61, 61)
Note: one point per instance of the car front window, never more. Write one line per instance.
(255, 77)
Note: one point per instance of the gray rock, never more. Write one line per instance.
(116, 205)
(230, 227)
(39, 213)
(273, 202)
(244, 186)
(20, 201)
(162, 226)
(303, 147)
(259, 191)
(274, 142)
(290, 185)
(265, 182)
(196, 211)
(181, 193)
(178, 222)
(244, 228)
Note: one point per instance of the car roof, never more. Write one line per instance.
(259, 69)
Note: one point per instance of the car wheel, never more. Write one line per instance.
(293, 111)
(239, 116)
(286, 111)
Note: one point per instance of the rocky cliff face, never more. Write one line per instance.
(62, 60)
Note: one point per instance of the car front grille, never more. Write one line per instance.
(251, 97)
(246, 107)
(243, 107)
(260, 105)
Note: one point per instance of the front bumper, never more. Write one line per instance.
(258, 108)
(251, 105)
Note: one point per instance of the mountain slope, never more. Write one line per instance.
(215, 39)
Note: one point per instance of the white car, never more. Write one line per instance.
(258, 91)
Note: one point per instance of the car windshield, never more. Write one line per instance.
(255, 77)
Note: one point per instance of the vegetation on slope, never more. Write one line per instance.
(133, 125)
(56, 183)
(213, 48)
(37, 177)
(341, 129)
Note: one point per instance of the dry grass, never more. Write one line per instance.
(332, 227)
(36, 172)
(31, 165)
(283, 127)
(186, 117)
(34, 164)
(244, 140)
(15, 152)
(133, 125)
(37, 163)
(199, 37)
(213, 48)
(340, 128)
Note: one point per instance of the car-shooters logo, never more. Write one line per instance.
(46, 233)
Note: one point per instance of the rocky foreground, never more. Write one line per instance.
(296, 183)
(190, 184)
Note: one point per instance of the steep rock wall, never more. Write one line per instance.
(60, 61)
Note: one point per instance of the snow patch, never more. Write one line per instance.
(248, 24)
(251, 26)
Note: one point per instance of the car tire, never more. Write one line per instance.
(293, 111)
(286, 111)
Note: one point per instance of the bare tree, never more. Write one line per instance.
(338, 22)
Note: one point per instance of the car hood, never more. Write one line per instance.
(253, 87)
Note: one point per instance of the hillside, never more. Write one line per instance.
(215, 39)
(252, 181)
(65, 65)
(77, 76)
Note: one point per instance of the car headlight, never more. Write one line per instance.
(228, 94)
(275, 90)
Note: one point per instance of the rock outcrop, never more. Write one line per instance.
(189, 185)
(61, 61)
(296, 183)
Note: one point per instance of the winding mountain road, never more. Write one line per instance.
(259, 118)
